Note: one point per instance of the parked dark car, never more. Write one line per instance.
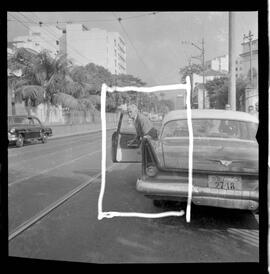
(23, 128)
(225, 159)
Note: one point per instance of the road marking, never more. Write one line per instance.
(246, 232)
(25, 225)
(245, 235)
(245, 240)
(51, 153)
(23, 152)
(52, 168)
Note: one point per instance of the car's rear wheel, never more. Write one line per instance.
(158, 203)
(20, 141)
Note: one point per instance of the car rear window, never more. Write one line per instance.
(212, 128)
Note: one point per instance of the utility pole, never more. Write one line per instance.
(232, 85)
(250, 38)
(201, 57)
(203, 73)
(13, 109)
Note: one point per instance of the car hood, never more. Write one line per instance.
(229, 155)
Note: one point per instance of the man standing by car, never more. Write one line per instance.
(142, 125)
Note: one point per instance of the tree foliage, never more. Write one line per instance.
(189, 71)
(33, 94)
(218, 92)
(56, 82)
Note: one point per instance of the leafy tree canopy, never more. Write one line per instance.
(61, 83)
(218, 92)
(189, 70)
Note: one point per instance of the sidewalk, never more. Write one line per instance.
(61, 131)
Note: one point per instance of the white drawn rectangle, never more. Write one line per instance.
(111, 214)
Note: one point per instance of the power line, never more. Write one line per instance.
(94, 20)
(54, 37)
(74, 50)
(119, 20)
(18, 20)
(47, 41)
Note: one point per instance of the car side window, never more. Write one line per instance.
(127, 125)
(21, 120)
(31, 121)
(211, 128)
(36, 122)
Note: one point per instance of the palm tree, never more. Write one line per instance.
(45, 80)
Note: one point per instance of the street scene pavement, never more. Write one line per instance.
(41, 175)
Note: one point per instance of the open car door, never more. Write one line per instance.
(122, 152)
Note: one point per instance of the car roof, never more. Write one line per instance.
(210, 113)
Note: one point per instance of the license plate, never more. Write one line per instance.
(225, 182)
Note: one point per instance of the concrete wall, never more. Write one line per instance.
(57, 116)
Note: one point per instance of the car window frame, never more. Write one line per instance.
(38, 121)
(124, 114)
(25, 119)
(248, 131)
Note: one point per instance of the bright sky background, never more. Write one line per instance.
(157, 38)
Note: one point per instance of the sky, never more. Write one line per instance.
(155, 51)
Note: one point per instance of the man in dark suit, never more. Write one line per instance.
(143, 125)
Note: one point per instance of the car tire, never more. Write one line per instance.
(158, 203)
(256, 211)
(44, 138)
(20, 141)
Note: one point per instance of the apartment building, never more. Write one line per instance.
(239, 67)
(249, 58)
(84, 46)
(221, 64)
(41, 37)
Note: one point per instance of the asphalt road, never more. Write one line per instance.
(41, 174)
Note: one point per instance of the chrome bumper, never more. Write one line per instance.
(12, 138)
(247, 200)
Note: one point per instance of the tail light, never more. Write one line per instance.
(151, 171)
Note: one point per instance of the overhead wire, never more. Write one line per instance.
(139, 57)
(18, 20)
(74, 50)
(57, 38)
(94, 20)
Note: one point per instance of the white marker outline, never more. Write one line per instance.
(111, 214)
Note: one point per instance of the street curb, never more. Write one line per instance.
(77, 134)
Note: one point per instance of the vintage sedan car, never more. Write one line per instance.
(23, 128)
(225, 158)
